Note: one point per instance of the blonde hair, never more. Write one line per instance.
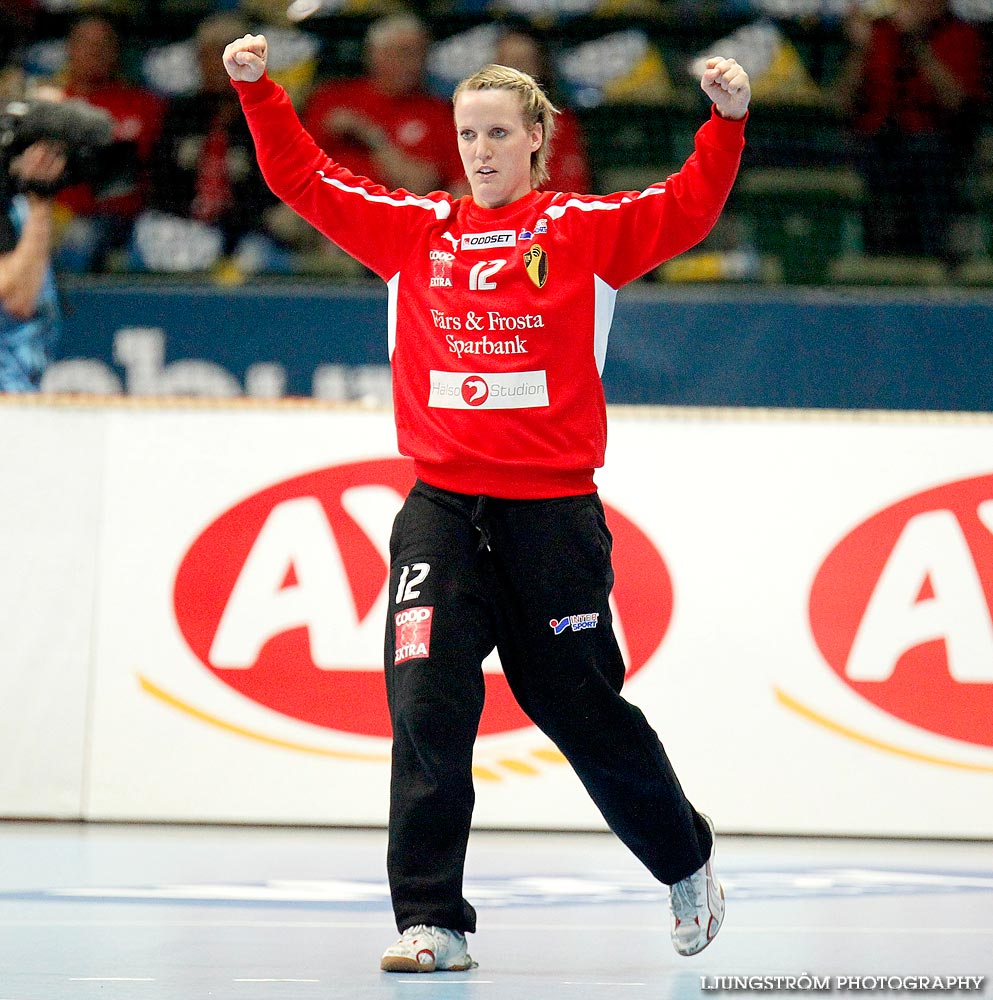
(535, 107)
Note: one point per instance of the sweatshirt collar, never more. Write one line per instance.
(506, 214)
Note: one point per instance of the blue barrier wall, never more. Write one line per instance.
(804, 349)
(708, 347)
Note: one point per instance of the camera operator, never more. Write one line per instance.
(29, 313)
(46, 144)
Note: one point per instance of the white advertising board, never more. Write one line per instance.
(804, 601)
(49, 537)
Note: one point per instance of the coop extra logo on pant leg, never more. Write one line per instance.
(413, 634)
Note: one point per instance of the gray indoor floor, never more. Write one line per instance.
(182, 912)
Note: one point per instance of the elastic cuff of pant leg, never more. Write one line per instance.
(706, 837)
(672, 881)
(428, 921)
(703, 832)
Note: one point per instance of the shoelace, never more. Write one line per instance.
(684, 898)
(420, 931)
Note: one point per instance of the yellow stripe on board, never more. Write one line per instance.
(479, 771)
(197, 713)
(518, 766)
(836, 727)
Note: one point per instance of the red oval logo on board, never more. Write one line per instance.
(901, 610)
(283, 598)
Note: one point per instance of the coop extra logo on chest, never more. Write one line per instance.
(284, 597)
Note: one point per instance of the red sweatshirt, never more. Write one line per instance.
(498, 318)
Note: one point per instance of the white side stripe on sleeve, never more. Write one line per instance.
(557, 211)
(442, 209)
(392, 288)
(604, 298)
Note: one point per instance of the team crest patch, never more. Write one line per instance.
(413, 637)
(536, 265)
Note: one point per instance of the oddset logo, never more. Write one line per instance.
(284, 599)
(902, 610)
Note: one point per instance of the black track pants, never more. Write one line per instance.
(470, 573)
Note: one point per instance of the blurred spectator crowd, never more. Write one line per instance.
(870, 145)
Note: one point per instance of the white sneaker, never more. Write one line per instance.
(428, 949)
(697, 904)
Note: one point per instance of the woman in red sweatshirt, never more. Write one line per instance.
(500, 304)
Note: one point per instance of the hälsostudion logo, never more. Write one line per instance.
(283, 598)
(475, 391)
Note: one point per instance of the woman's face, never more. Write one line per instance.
(495, 145)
